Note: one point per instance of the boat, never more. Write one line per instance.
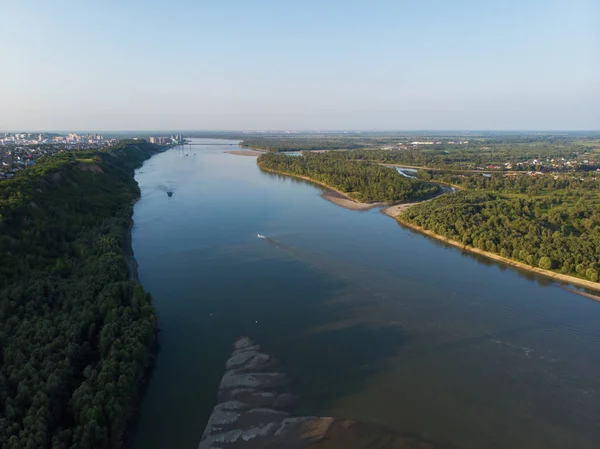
(260, 236)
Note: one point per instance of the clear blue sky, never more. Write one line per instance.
(278, 64)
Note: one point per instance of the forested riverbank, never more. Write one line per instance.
(77, 337)
(548, 223)
(546, 236)
(362, 182)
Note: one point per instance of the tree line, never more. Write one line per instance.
(77, 336)
(305, 143)
(364, 182)
(541, 232)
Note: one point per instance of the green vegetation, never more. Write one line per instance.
(530, 197)
(314, 142)
(490, 156)
(489, 151)
(541, 232)
(563, 188)
(364, 182)
(77, 337)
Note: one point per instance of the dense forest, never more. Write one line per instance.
(475, 152)
(542, 232)
(274, 143)
(569, 187)
(364, 182)
(474, 156)
(549, 218)
(77, 336)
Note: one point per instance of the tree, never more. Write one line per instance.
(545, 263)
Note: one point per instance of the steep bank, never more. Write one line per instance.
(255, 411)
(79, 335)
(550, 274)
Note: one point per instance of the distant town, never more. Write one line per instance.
(20, 150)
(176, 139)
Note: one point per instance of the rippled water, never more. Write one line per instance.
(373, 321)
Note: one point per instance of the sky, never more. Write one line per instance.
(299, 65)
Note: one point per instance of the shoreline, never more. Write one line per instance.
(394, 210)
(550, 274)
(332, 194)
(397, 209)
(248, 152)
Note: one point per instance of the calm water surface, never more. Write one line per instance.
(372, 321)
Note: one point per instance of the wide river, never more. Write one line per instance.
(372, 321)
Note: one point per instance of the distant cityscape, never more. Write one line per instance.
(20, 150)
(175, 139)
(69, 140)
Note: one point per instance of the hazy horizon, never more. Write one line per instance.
(303, 131)
(234, 66)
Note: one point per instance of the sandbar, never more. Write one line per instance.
(397, 209)
(331, 194)
(244, 152)
(342, 200)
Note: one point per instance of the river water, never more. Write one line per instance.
(372, 321)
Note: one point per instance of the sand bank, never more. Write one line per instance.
(342, 200)
(550, 274)
(333, 195)
(244, 152)
(397, 209)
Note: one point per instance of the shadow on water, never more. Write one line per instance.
(348, 349)
(328, 354)
(542, 281)
(290, 305)
(327, 348)
(288, 178)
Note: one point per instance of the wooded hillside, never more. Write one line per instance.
(77, 336)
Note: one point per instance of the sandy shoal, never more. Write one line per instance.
(343, 201)
(333, 195)
(244, 152)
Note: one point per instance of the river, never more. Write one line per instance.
(372, 321)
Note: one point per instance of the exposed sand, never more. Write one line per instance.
(342, 200)
(397, 209)
(244, 152)
(335, 196)
(551, 274)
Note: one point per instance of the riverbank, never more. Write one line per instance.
(550, 274)
(331, 194)
(397, 209)
(341, 199)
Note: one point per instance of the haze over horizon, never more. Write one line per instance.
(235, 65)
